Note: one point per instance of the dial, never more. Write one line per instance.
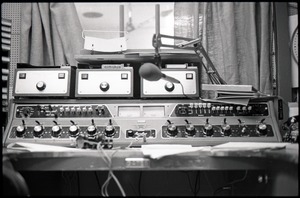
(104, 86)
(20, 131)
(55, 131)
(38, 130)
(41, 85)
(91, 130)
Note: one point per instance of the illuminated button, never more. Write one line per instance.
(84, 76)
(200, 105)
(61, 75)
(189, 76)
(73, 109)
(196, 105)
(213, 108)
(61, 109)
(191, 105)
(67, 109)
(230, 108)
(84, 109)
(222, 108)
(204, 105)
(124, 76)
(238, 108)
(244, 108)
(78, 109)
(218, 108)
(22, 75)
(226, 108)
(208, 105)
(249, 108)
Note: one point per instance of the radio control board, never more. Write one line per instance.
(138, 122)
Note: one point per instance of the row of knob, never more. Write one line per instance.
(56, 129)
(190, 130)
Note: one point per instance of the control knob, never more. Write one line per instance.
(21, 129)
(262, 128)
(73, 129)
(41, 85)
(38, 130)
(91, 130)
(109, 129)
(169, 86)
(189, 129)
(171, 129)
(208, 128)
(226, 128)
(104, 86)
(55, 130)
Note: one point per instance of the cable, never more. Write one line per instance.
(229, 186)
(108, 161)
(182, 88)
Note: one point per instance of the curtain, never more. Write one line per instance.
(51, 34)
(236, 36)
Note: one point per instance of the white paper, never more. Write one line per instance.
(242, 146)
(105, 45)
(157, 151)
(33, 147)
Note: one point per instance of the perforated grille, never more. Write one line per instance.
(12, 11)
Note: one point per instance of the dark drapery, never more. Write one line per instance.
(50, 34)
(236, 36)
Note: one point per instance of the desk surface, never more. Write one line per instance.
(133, 159)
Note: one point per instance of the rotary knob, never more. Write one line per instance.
(171, 129)
(38, 130)
(262, 128)
(21, 129)
(169, 86)
(226, 128)
(41, 85)
(208, 128)
(91, 130)
(109, 130)
(190, 129)
(73, 130)
(104, 86)
(56, 130)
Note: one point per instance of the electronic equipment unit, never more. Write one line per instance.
(124, 120)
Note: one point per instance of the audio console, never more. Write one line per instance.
(50, 108)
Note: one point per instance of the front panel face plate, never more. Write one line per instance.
(55, 82)
(114, 83)
(188, 79)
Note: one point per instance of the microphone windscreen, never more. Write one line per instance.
(150, 72)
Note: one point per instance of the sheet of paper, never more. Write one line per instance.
(33, 147)
(241, 146)
(157, 151)
(105, 45)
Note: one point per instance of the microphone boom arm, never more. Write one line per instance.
(197, 47)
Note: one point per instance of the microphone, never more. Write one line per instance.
(151, 72)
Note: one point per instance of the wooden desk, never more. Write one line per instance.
(281, 166)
